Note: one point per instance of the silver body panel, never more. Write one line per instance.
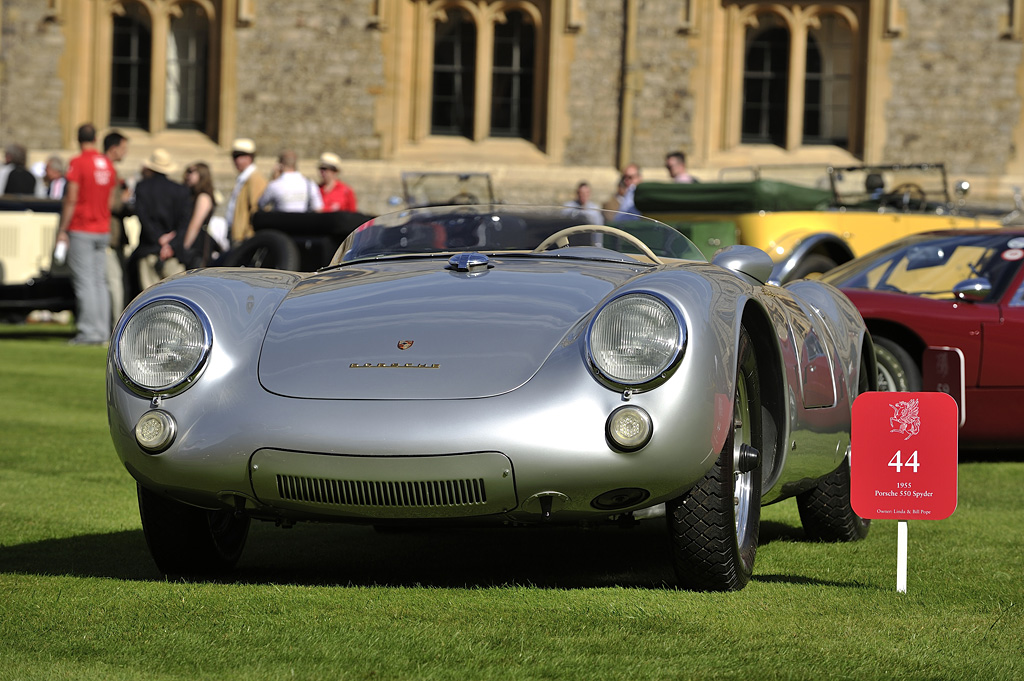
(308, 410)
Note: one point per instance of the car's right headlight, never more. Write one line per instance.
(163, 347)
(634, 340)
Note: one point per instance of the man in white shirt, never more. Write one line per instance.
(289, 191)
(585, 206)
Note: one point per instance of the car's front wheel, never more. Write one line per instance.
(714, 526)
(814, 263)
(188, 541)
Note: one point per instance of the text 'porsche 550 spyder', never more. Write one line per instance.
(471, 364)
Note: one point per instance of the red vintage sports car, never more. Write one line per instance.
(946, 311)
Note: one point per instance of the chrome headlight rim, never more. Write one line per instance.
(189, 377)
(669, 367)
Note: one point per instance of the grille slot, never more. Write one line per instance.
(383, 493)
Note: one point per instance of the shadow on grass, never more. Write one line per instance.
(991, 455)
(346, 555)
(51, 332)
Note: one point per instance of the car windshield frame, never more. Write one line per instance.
(934, 263)
(512, 230)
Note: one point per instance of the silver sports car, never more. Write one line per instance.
(491, 364)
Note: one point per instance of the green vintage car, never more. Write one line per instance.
(812, 218)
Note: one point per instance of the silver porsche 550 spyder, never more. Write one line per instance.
(491, 363)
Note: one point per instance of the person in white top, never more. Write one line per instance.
(290, 191)
(584, 205)
(53, 178)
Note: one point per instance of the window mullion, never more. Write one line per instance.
(797, 74)
(484, 80)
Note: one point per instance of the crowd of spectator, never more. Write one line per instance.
(177, 212)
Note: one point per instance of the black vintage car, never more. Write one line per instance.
(298, 242)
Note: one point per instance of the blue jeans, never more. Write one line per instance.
(87, 258)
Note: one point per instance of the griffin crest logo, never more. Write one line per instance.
(405, 345)
(905, 419)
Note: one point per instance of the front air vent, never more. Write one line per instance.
(383, 493)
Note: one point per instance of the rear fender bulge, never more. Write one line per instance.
(814, 434)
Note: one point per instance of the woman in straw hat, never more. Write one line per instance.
(336, 194)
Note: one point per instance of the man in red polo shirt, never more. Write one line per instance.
(85, 231)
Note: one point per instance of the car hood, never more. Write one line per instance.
(413, 329)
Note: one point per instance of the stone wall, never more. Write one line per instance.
(31, 44)
(664, 97)
(309, 77)
(595, 78)
(955, 95)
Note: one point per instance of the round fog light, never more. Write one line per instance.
(629, 428)
(155, 431)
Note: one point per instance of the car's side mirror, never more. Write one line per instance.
(746, 260)
(973, 290)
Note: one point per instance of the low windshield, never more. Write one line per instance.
(931, 265)
(522, 229)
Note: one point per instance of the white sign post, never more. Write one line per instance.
(901, 557)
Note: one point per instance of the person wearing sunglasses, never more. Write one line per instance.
(337, 195)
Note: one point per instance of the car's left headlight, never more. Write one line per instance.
(163, 347)
(635, 339)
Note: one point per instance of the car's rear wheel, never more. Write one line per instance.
(714, 526)
(897, 371)
(825, 510)
(267, 248)
(188, 541)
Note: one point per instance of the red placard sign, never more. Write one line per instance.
(903, 455)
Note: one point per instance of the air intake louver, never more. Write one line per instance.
(394, 494)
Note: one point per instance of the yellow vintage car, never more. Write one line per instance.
(810, 219)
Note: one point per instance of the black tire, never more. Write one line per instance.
(815, 263)
(187, 541)
(897, 371)
(714, 526)
(826, 512)
(269, 249)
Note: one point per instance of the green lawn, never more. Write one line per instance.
(81, 599)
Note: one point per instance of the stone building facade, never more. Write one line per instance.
(533, 88)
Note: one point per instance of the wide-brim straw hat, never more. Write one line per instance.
(160, 162)
(243, 145)
(329, 159)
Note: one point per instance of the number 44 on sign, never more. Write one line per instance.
(898, 463)
(903, 460)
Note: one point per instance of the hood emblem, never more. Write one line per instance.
(405, 345)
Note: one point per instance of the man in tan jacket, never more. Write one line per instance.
(249, 187)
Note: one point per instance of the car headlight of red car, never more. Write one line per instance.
(635, 341)
(163, 347)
